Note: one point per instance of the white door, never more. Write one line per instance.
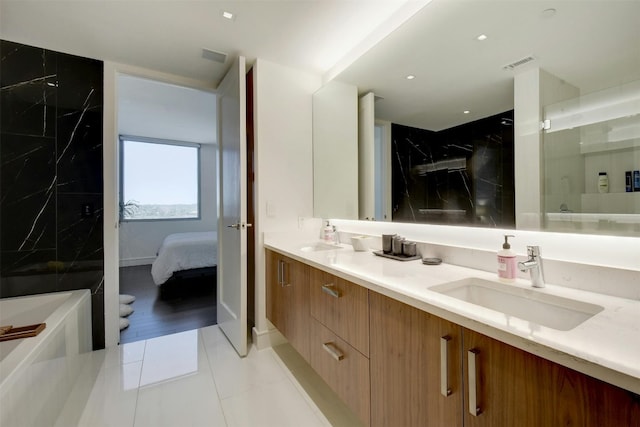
(232, 227)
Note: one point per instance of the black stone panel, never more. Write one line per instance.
(28, 272)
(51, 213)
(80, 229)
(80, 83)
(27, 192)
(80, 152)
(462, 176)
(28, 90)
(80, 98)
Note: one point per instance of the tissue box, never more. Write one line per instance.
(360, 243)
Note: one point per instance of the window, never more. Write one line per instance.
(159, 179)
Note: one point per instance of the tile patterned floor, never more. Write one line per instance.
(192, 378)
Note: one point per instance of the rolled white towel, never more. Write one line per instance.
(125, 310)
(126, 299)
(124, 323)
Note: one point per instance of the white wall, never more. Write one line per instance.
(140, 240)
(283, 158)
(335, 150)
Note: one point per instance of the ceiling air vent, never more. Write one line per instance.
(518, 63)
(212, 55)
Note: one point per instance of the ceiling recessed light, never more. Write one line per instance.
(466, 111)
(227, 15)
(482, 37)
(411, 77)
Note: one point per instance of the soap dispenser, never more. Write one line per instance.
(327, 233)
(507, 262)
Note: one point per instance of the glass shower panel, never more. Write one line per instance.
(591, 150)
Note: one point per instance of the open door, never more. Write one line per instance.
(232, 226)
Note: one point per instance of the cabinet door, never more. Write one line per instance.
(413, 357)
(276, 302)
(296, 279)
(288, 299)
(341, 306)
(514, 387)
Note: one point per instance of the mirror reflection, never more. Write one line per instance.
(457, 64)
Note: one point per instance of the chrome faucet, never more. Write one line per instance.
(534, 265)
(336, 236)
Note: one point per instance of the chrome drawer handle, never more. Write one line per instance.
(330, 289)
(330, 348)
(474, 409)
(444, 366)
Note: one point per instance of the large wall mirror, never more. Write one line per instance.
(562, 77)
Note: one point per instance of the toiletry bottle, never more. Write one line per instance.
(327, 233)
(603, 182)
(507, 262)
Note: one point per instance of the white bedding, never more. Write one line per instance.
(184, 251)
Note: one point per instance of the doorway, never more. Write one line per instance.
(167, 205)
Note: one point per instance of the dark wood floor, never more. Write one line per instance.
(176, 306)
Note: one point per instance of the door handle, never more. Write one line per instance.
(331, 348)
(474, 408)
(444, 366)
(330, 289)
(239, 225)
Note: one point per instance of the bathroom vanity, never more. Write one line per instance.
(400, 347)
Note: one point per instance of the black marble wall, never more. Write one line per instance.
(51, 216)
(458, 176)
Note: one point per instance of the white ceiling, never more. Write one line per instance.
(591, 44)
(168, 35)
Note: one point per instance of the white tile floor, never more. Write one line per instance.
(193, 378)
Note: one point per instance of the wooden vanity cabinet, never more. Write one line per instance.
(341, 306)
(405, 360)
(288, 299)
(396, 365)
(518, 388)
(512, 387)
(339, 343)
(342, 367)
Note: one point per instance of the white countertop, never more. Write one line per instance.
(606, 346)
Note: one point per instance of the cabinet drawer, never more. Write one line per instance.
(343, 367)
(341, 306)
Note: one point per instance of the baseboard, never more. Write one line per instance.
(130, 262)
(266, 339)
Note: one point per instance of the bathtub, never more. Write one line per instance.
(38, 373)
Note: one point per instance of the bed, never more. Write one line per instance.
(184, 252)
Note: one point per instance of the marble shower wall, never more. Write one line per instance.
(462, 175)
(51, 190)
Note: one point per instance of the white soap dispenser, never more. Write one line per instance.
(507, 262)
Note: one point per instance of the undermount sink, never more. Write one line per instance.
(527, 304)
(319, 246)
